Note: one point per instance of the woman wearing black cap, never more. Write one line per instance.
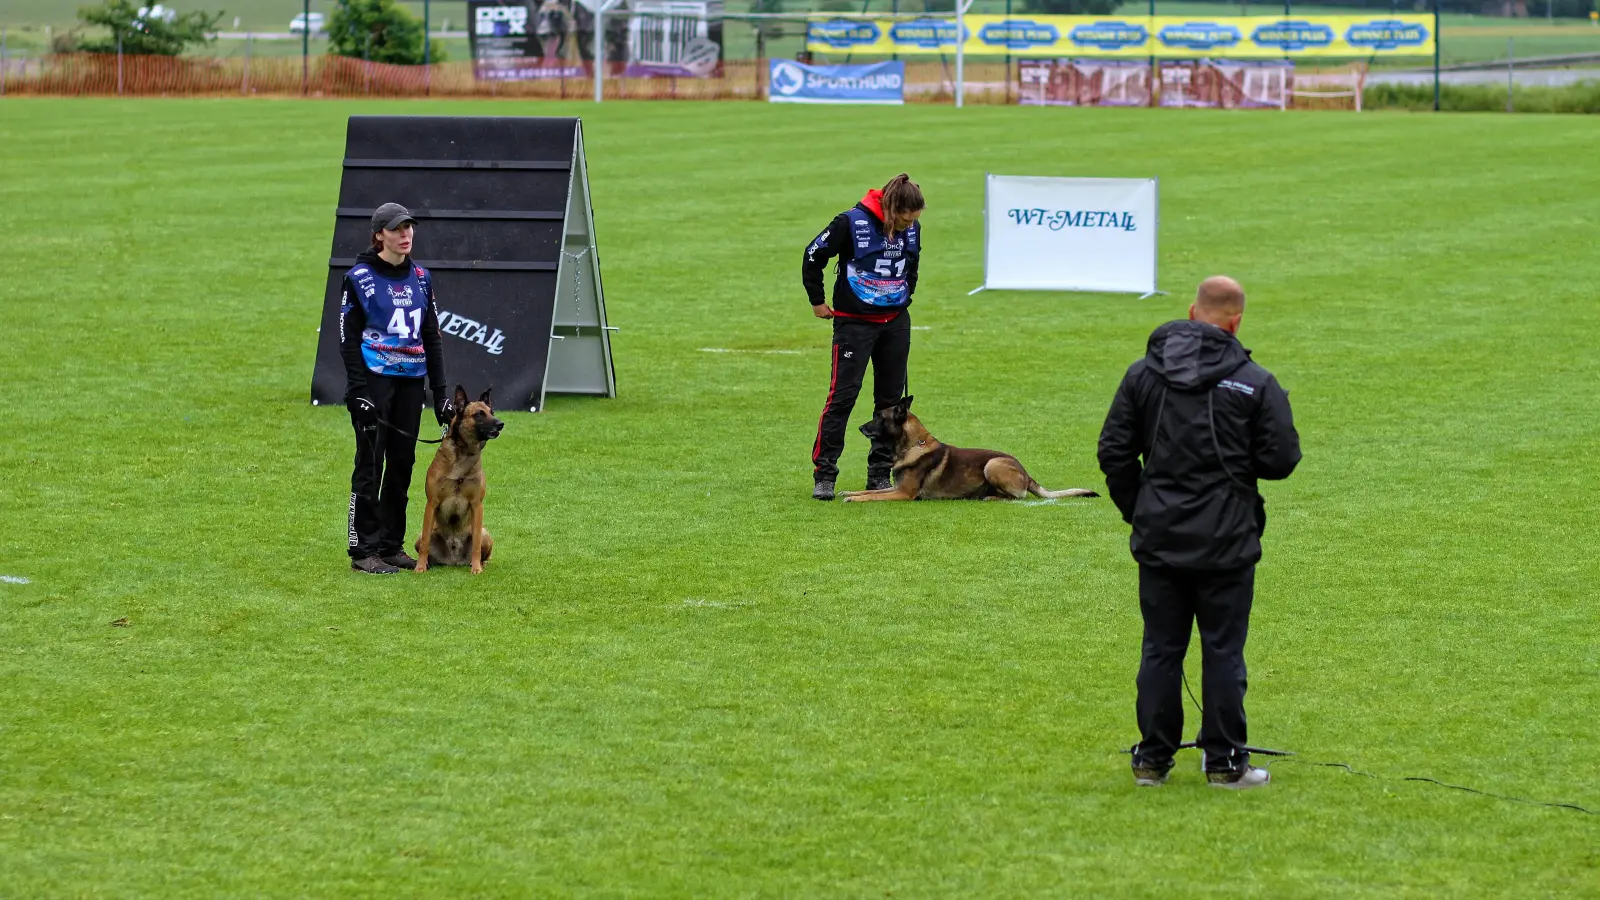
(389, 338)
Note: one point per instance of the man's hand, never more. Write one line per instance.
(365, 412)
(443, 408)
(822, 311)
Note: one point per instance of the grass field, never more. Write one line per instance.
(680, 676)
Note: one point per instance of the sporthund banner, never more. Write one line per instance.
(794, 82)
(1069, 234)
(1241, 37)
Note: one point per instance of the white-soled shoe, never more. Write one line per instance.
(1243, 780)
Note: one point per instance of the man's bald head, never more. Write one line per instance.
(1219, 302)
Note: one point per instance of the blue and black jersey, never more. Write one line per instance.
(389, 324)
(876, 277)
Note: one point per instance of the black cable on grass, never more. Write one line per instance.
(1291, 756)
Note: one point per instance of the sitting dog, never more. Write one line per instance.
(452, 523)
(925, 469)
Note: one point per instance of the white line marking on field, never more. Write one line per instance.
(922, 328)
(730, 350)
(13, 579)
(701, 602)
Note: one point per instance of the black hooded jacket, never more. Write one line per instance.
(1193, 426)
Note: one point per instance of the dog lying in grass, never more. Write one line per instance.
(925, 469)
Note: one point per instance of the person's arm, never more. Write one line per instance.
(913, 262)
(1274, 443)
(833, 240)
(433, 355)
(1119, 448)
(352, 321)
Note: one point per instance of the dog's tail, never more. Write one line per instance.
(1036, 489)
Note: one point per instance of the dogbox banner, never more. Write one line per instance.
(505, 227)
(1069, 234)
(789, 81)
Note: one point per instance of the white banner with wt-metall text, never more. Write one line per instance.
(1069, 234)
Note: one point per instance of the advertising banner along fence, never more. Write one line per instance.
(794, 82)
(1245, 37)
(1069, 234)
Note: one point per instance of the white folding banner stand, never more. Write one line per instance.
(1070, 234)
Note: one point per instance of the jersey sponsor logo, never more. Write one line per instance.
(400, 296)
(1230, 384)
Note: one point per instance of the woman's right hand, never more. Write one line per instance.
(822, 311)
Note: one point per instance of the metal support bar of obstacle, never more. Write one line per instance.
(600, 48)
(1511, 75)
(961, 58)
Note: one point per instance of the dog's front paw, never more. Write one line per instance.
(477, 568)
(421, 566)
(849, 497)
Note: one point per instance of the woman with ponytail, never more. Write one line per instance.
(878, 243)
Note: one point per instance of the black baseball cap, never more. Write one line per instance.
(390, 216)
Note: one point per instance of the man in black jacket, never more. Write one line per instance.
(1193, 427)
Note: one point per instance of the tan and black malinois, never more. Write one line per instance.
(925, 469)
(452, 523)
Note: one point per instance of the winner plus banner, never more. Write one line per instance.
(1241, 37)
(794, 82)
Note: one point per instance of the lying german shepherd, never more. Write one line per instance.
(452, 523)
(925, 469)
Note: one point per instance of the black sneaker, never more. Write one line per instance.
(1239, 780)
(372, 565)
(823, 491)
(879, 482)
(1150, 777)
(400, 560)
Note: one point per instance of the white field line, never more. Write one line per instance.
(764, 352)
(13, 579)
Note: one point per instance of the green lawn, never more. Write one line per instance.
(680, 676)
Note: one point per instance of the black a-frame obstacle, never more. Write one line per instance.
(505, 225)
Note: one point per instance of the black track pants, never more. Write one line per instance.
(1172, 600)
(854, 343)
(382, 475)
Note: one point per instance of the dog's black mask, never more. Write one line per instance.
(888, 423)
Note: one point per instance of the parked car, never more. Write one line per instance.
(157, 12)
(298, 24)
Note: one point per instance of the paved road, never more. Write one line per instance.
(1524, 77)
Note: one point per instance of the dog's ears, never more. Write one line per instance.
(484, 398)
(461, 398)
(904, 405)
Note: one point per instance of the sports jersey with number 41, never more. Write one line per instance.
(391, 344)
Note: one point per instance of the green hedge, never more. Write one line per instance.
(1583, 97)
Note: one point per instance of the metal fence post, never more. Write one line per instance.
(961, 57)
(305, 49)
(1438, 39)
(600, 10)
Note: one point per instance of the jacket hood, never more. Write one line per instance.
(1191, 355)
(873, 203)
(371, 258)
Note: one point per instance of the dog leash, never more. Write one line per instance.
(404, 433)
